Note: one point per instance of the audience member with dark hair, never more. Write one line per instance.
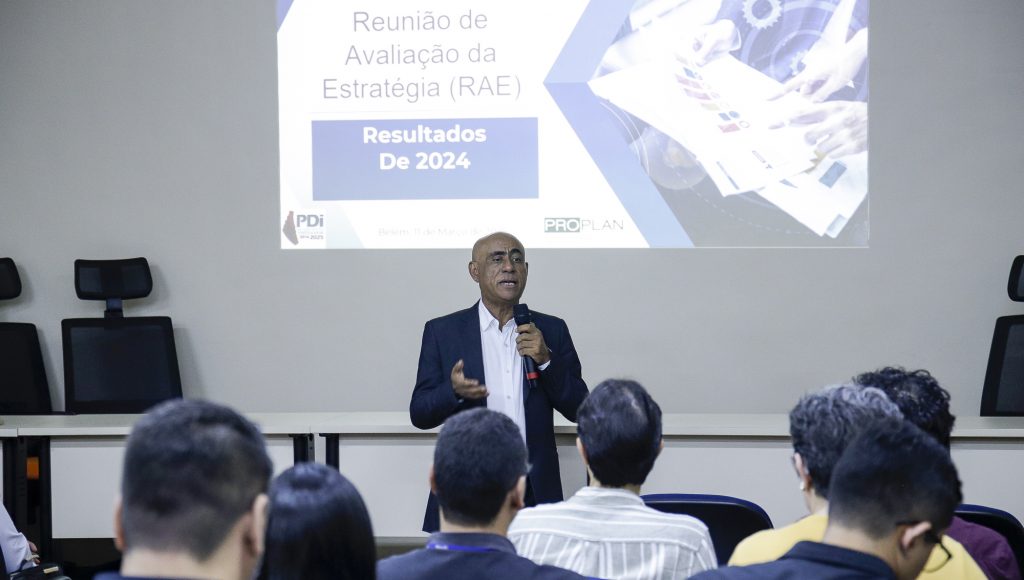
(821, 425)
(479, 478)
(605, 530)
(318, 528)
(193, 494)
(892, 495)
(926, 404)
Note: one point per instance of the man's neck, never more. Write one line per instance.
(633, 487)
(853, 539)
(501, 312)
(150, 563)
(498, 527)
(815, 503)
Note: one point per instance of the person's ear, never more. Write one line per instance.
(583, 452)
(517, 496)
(912, 534)
(474, 271)
(118, 524)
(801, 472)
(661, 447)
(432, 480)
(256, 530)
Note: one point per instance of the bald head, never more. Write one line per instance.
(499, 268)
(482, 245)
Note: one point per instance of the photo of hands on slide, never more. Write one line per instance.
(750, 116)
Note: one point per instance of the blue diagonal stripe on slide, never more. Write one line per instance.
(598, 129)
(282, 10)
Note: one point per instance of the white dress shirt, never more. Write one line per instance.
(610, 533)
(15, 546)
(503, 367)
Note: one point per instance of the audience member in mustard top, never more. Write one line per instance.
(893, 492)
(605, 530)
(926, 404)
(821, 426)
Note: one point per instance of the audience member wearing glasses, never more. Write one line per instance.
(821, 426)
(892, 496)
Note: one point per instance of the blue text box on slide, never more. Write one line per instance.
(447, 159)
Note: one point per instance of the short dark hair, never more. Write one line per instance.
(918, 395)
(824, 422)
(479, 458)
(192, 468)
(894, 472)
(318, 528)
(619, 425)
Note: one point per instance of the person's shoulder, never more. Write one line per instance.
(534, 515)
(453, 318)
(682, 522)
(727, 572)
(546, 572)
(961, 565)
(768, 545)
(398, 567)
(548, 318)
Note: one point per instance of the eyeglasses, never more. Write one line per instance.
(933, 563)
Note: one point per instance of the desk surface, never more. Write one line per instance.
(121, 425)
(397, 423)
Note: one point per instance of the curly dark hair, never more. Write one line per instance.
(824, 422)
(918, 395)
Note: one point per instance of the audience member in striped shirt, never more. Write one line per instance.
(605, 530)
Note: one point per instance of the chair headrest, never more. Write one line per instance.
(1016, 285)
(105, 279)
(10, 282)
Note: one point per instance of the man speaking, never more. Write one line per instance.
(478, 357)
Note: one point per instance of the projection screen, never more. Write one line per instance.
(573, 123)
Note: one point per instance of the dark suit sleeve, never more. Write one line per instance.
(433, 399)
(562, 380)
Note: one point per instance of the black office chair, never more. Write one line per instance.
(1003, 393)
(117, 364)
(729, 519)
(23, 386)
(1002, 522)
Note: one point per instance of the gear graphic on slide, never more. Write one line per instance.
(797, 64)
(762, 22)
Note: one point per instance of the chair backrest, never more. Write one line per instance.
(1000, 521)
(1003, 393)
(729, 519)
(117, 364)
(23, 386)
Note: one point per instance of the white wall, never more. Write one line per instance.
(149, 128)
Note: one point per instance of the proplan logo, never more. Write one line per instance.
(305, 226)
(575, 225)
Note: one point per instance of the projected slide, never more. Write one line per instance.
(573, 123)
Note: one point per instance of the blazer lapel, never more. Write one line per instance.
(471, 346)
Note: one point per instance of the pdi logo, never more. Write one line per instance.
(309, 220)
(561, 225)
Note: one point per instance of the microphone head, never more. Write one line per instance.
(521, 313)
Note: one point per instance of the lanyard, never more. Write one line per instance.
(458, 548)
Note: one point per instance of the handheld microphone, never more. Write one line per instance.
(521, 314)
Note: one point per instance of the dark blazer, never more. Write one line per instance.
(469, 556)
(457, 336)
